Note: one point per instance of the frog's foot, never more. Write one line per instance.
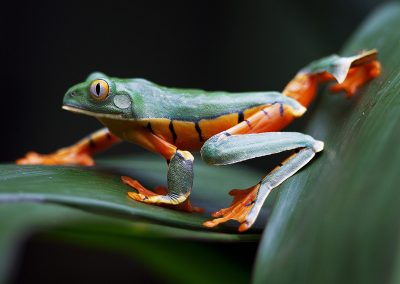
(243, 202)
(159, 197)
(358, 76)
(66, 156)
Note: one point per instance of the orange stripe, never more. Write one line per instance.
(210, 127)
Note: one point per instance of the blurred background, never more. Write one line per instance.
(213, 45)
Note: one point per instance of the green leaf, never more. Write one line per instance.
(337, 221)
(90, 206)
(150, 244)
(100, 189)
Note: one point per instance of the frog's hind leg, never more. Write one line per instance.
(349, 73)
(224, 149)
(246, 140)
(78, 154)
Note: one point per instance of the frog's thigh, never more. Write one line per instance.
(271, 118)
(224, 149)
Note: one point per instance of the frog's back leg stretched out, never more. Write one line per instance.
(250, 138)
(226, 149)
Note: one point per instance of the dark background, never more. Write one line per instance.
(214, 45)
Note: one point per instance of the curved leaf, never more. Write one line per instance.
(93, 204)
(337, 220)
(100, 189)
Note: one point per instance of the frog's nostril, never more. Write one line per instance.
(73, 94)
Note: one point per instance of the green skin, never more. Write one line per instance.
(138, 99)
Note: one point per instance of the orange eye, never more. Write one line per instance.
(99, 89)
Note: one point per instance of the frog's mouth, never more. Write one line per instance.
(91, 113)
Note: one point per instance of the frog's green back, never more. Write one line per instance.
(153, 101)
(137, 99)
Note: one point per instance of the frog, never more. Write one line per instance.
(225, 127)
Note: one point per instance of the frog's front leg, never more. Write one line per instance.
(224, 148)
(78, 154)
(179, 176)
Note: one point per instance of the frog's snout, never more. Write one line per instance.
(72, 98)
(73, 94)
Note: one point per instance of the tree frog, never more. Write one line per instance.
(225, 127)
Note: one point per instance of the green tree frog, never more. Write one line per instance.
(225, 127)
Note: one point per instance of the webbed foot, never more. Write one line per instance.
(357, 77)
(243, 202)
(66, 156)
(159, 197)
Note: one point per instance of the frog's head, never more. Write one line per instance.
(99, 96)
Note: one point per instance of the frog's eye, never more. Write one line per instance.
(99, 89)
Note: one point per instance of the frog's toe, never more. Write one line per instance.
(82, 159)
(142, 192)
(31, 158)
(239, 210)
(137, 196)
(357, 77)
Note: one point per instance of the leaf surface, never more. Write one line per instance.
(337, 221)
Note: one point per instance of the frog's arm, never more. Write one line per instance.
(78, 154)
(179, 177)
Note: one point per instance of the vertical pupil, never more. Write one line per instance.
(98, 89)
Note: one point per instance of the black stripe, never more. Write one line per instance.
(250, 203)
(281, 109)
(149, 127)
(266, 113)
(240, 116)
(91, 143)
(198, 129)
(171, 128)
